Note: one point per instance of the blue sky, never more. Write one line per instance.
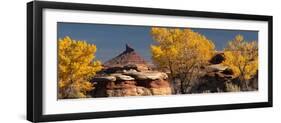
(111, 39)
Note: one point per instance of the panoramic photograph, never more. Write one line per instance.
(105, 60)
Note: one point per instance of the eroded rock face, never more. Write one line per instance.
(160, 87)
(215, 78)
(128, 74)
(132, 83)
(124, 88)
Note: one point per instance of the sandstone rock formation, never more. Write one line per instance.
(132, 84)
(129, 75)
(213, 81)
(149, 75)
(215, 78)
(129, 56)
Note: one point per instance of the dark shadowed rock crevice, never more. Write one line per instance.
(217, 58)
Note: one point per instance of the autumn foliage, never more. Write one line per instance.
(187, 58)
(76, 65)
(181, 52)
(242, 57)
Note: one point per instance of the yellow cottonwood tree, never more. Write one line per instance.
(242, 57)
(181, 52)
(76, 66)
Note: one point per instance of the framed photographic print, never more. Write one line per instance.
(96, 61)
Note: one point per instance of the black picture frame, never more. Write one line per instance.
(35, 69)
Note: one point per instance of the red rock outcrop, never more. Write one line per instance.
(129, 75)
(129, 56)
(125, 85)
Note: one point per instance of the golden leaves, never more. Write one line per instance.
(76, 66)
(181, 52)
(179, 47)
(242, 57)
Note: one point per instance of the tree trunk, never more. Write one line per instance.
(182, 87)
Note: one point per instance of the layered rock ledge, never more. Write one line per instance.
(131, 83)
